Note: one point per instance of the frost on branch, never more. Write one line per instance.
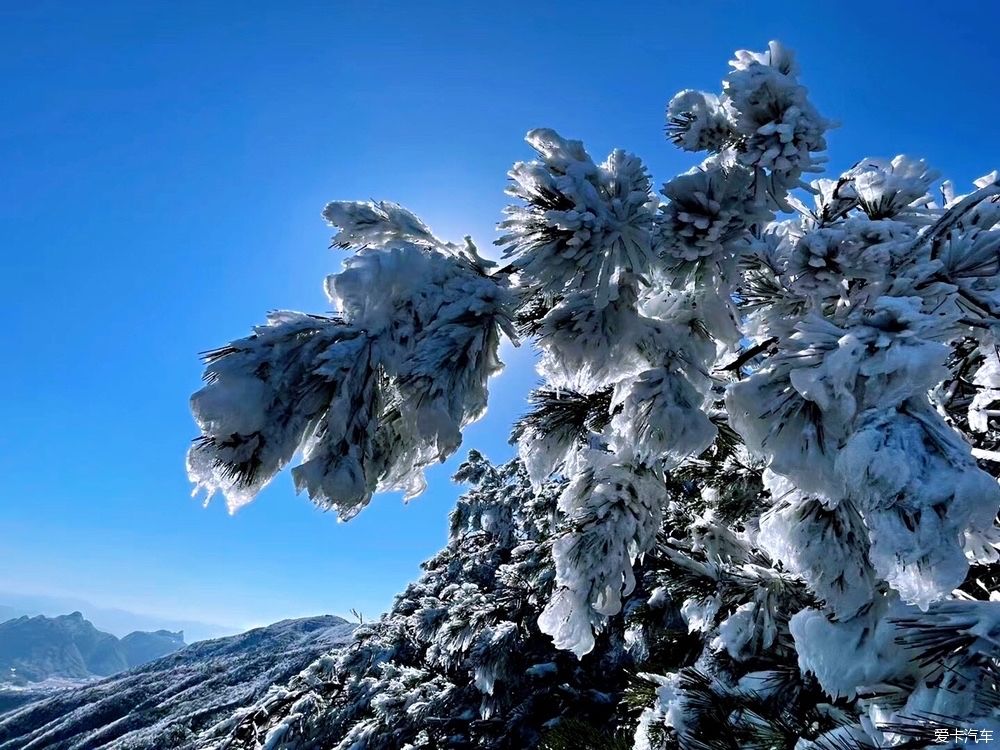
(869, 639)
(956, 644)
(921, 495)
(382, 224)
(987, 380)
(776, 419)
(613, 512)
(763, 120)
(580, 224)
(587, 347)
(661, 414)
(264, 393)
(887, 189)
(558, 430)
(827, 546)
(699, 121)
(708, 211)
(370, 397)
(781, 127)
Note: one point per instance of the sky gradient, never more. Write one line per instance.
(163, 170)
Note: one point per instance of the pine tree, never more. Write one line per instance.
(762, 466)
(459, 660)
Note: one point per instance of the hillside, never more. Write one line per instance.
(69, 647)
(141, 648)
(33, 649)
(166, 703)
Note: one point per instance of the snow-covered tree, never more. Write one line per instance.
(770, 413)
(459, 660)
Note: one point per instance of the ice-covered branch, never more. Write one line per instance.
(370, 397)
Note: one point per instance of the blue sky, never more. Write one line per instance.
(163, 169)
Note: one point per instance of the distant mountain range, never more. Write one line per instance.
(35, 649)
(112, 620)
(170, 702)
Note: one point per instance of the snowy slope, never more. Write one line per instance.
(141, 648)
(165, 703)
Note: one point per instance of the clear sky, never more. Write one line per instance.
(162, 170)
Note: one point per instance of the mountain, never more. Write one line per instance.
(140, 647)
(169, 702)
(33, 649)
(36, 649)
(118, 622)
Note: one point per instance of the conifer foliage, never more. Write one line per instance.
(459, 660)
(756, 499)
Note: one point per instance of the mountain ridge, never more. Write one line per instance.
(115, 620)
(39, 648)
